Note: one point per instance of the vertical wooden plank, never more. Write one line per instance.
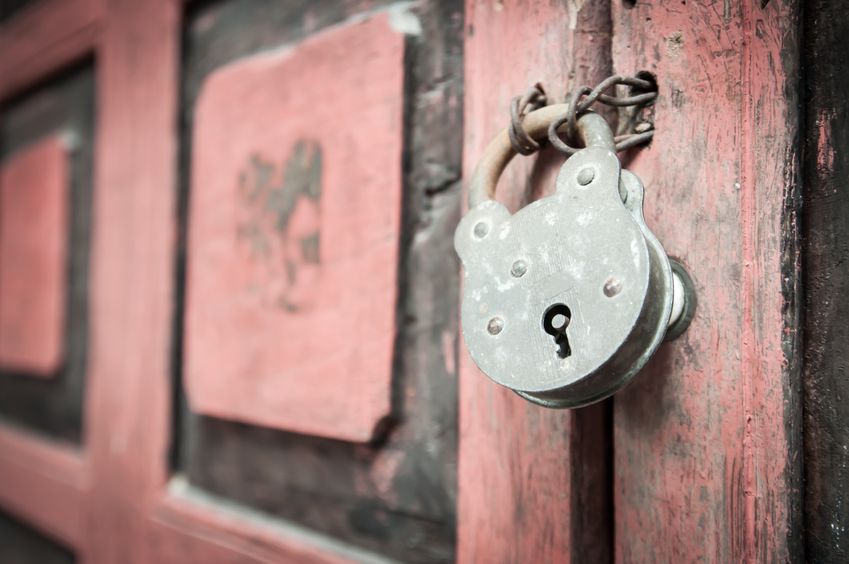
(127, 415)
(826, 270)
(533, 483)
(706, 440)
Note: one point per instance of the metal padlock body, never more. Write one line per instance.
(581, 247)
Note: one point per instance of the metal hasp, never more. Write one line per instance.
(566, 300)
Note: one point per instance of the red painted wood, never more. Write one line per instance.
(532, 482)
(33, 241)
(128, 404)
(44, 484)
(704, 457)
(44, 37)
(293, 235)
(128, 401)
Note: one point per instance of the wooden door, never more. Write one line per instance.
(246, 346)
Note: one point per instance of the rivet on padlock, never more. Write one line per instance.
(567, 299)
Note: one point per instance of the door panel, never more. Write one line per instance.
(294, 221)
(364, 452)
(826, 280)
(43, 365)
(33, 232)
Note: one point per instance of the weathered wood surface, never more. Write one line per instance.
(33, 252)
(43, 37)
(294, 227)
(826, 281)
(707, 462)
(396, 495)
(45, 485)
(534, 483)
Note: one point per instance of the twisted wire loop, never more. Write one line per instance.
(533, 99)
(642, 93)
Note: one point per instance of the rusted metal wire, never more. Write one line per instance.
(533, 99)
(642, 93)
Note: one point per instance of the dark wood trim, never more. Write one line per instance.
(826, 277)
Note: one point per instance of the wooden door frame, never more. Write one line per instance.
(45, 483)
(706, 441)
(119, 480)
(115, 499)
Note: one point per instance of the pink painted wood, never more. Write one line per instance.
(705, 467)
(128, 403)
(532, 482)
(119, 483)
(33, 252)
(293, 235)
(43, 37)
(44, 484)
(127, 417)
(703, 440)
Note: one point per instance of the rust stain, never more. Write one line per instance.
(280, 221)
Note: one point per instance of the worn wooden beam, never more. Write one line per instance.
(533, 482)
(826, 269)
(707, 439)
(128, 393)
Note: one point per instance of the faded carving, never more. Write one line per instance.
(279, 224)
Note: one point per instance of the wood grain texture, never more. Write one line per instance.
(533, 482)
(294, 224)
(34, 199)
(41, 38)
(826, 269)
(706, 445)
(44, 484)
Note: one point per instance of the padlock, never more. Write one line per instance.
(567, 299)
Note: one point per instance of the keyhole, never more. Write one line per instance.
(554, 322)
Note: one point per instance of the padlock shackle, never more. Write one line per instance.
(592, 128)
